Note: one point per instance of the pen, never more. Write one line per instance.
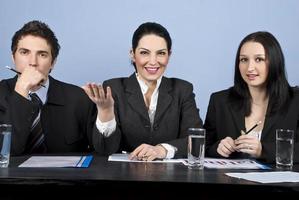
(17, 72)
(13, 70)
(258, 123)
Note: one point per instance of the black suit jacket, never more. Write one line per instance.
(225, 119)
(176, 112)
(67, 117)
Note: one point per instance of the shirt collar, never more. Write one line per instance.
(43, 91)
(143, 85)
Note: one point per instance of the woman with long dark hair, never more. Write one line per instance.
(261, 101)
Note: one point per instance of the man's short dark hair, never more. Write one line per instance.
(39, 29)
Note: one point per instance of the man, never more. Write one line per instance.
(61, 117)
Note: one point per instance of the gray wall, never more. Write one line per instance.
(95, 36)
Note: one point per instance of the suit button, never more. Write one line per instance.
(156, 127)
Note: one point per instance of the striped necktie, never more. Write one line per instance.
(35, 143)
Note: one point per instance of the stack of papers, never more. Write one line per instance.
(57, 161)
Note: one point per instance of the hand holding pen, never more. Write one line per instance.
(29, 80)
(248, 143)
(19, 73)
(244, 133)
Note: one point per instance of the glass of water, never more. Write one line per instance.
(196, 148)
(5, 141)
(284, 149)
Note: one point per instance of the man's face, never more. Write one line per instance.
(33, 51)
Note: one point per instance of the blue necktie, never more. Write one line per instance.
(36, 138)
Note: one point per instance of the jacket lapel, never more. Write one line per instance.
(164, 99)
(269, 122)
(135, 97)
(55, 93)
(238, 117)
(55, 98)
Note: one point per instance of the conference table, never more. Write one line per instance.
(129, 180)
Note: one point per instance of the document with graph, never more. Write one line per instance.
(218, 163)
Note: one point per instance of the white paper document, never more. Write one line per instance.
(214, 163)
(218, 163)
(267, 177)
(57, 161)
(124, 157)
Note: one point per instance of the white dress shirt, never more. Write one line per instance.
(107, 128)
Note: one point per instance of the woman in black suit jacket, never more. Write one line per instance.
(261, 95)
(146, 114)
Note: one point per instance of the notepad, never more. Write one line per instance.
(58, 161)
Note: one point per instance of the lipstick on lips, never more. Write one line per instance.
(152, 70)
(251, 76)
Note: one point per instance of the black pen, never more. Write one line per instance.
(258, 123)
(17, 72)
(13, 70)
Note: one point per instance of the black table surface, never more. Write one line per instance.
(103, 175)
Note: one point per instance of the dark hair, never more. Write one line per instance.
(278, 88)
(39, 29)
(147, 29)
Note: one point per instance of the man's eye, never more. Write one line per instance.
(23, 52)
(44, 55)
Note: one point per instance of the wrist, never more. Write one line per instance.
(162, 151)
(22, 89)
(105, 115)
(259, 153)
